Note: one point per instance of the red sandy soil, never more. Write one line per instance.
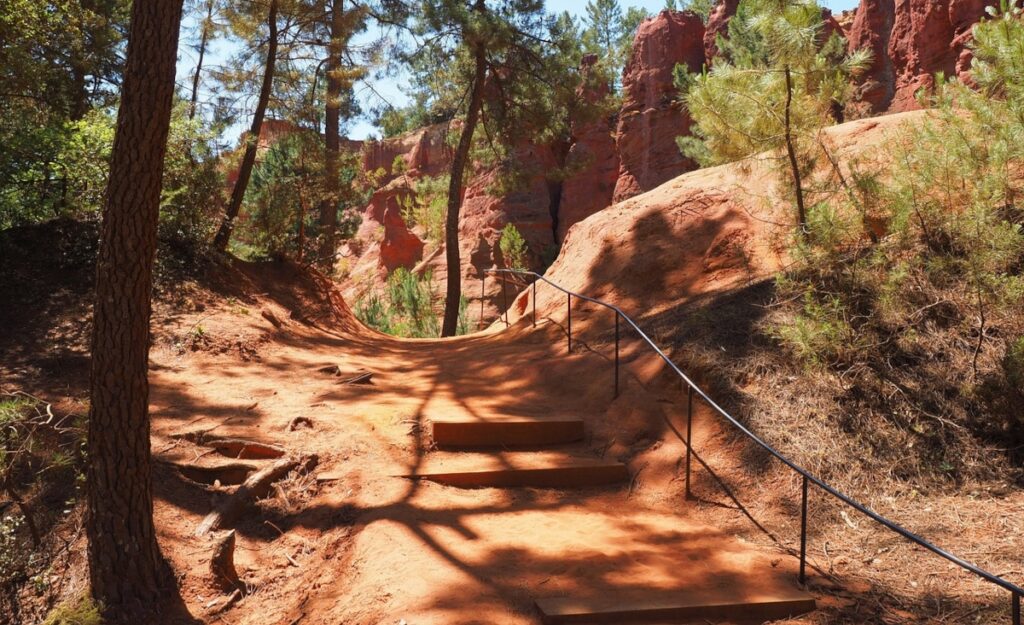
(361, 546)
(373, 548)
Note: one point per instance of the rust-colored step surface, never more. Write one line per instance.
(629, 566)
(506, 432)
(685, 606)
(550, 469)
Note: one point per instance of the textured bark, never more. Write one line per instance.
(332, 140)
(220, 242)
(125, 564)
(453, 291)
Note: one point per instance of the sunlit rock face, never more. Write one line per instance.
(910, 41)
(592, 160)
(423, 152)
(400, 247)
(651, 118)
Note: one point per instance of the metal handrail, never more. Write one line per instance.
(1016, 591)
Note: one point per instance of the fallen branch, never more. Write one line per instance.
(257, 485)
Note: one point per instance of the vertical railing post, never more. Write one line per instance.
(616, 354)
(1016, 609)
(504, 301)
(483, 283)
(803, 534)
(568, 308)
(534, 303)
(689, 438)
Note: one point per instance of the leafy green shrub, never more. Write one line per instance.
(373, 312)
(398, 165)
(412, 301)
(427, 206)
(408, 307)
(83, 160)
(193, 185)
(283, 200)
(462, 327)
(941, 242)
(513, 248)
(54, 168)
(66, 176)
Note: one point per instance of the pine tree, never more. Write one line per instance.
(125, 565)
(603, 28)
(208, 28)
(467, 49)
(341, 74)
(608, 33)
(774, 97)
(242, 20)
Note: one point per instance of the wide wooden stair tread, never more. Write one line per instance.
(653, 568)
(506, 431)
(682, 605)
(615, 563)
(505, 469)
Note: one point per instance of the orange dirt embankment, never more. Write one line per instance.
(362, 546)
(702, 233)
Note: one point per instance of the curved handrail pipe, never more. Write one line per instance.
(1017, 591)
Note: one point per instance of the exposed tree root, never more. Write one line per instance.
(257, 485)
(234, 447)
(272, 318)
(361, 376)
(222, 564)
(227, 475)
(244, 450)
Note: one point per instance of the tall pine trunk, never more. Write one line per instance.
(220, 242)
(204, 38)
(453, 292)
(332, 139)
(126, 568)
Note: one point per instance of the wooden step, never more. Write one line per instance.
(508, 432)
(686, 606)
(514, 469)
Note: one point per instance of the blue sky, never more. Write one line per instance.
(391, 88)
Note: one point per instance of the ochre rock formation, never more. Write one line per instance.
(910, 39)
(651, 119)
(705, 231)
(910, 42)
(593, 162)
(423, 150)
(718, 23)
(400, 247)
(526, 205)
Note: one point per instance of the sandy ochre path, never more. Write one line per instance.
(361, 546)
